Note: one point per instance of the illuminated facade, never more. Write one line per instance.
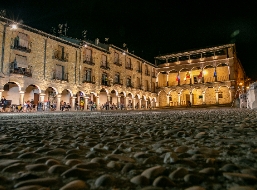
(203, 76)
(39, 66)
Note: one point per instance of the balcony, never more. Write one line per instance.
(21, 48)
(63, 77)
(129, 68)
(61, 56)
(153, 75)
(92, 80)
(89, 61)
(106, 83)
(20, 71)
(104, 66)
(147, 73)
(130, 86)
(118, 63)
(139, 71)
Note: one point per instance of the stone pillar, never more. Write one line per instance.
(152, 103)
(230, 94)
(97, 103)
(58, 102)
(217, 96)
(140, 103)
(179, 99)
(145, 104)
(41, 97)
(21, 97)
(109, 101)
(203, 98)
(191, 98)
(73, 104)
(1, 93)
(118, 102)
(168, 100)
(126, 102)
(133, 103)
(85, 104)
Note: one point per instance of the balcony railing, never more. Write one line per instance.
(153, 75)
(139, 71)
(106, 83)
(130, 86)
(104, 65)
(129, 68)
(89, 60)
(92, 80)
(21, 48)
(118, 63)
(20, 71)
(61, 56)
(222, 78)
(118, 83)
(147, 73)
(63, 77)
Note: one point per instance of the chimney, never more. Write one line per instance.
(96, 41)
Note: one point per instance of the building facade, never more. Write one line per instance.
(39, 66)
(204, 76)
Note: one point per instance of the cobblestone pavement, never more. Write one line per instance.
(192, 149)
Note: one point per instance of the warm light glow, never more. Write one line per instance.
(247, 87)
(240, 83)
(14, 26)
(123, 53)
(85, 45)
(205, 72)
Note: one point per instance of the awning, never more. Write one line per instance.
(21, 61)
(23, 40)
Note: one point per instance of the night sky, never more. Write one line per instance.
(149, 28)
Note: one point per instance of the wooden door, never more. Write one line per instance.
(36, 98)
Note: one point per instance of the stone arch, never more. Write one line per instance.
(32, 93)
(184, 96)
(12, 93)
(210, 96)
(103, 97)
(19, 86)
(224, 95)
(183, 76)
(162, 98)
(197, 96)
(51, 95)
(196, 75)
(173, 98)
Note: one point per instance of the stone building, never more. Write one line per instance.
(39, 66)
(203, 76)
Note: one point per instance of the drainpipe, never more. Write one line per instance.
(45, 59)
(3, 44)
(76, 67)
(79, 63)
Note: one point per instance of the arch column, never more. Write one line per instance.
(42, 97)
(179, 99)
(85, 104)
(97, 103)
(1, 93)
(126, 102)
(230, 94)
(21, 97)
(168, 100)
(217, 96)
(203, 98)
(191, 98)
(152, 104)
(58, 102)
(73, 103)
(140, 103)
(133, 103)
(118, 102)
(145, 104)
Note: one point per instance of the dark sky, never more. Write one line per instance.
(149, 27)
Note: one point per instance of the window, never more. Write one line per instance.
(59, 73)
(128, 63)
(104, 60)
(88, 74)
(138, 66)
(88, 55)
(146, 84)
(146, 70)
(129, 81)
(20, 66)
(220, 95)
(117, 78)
(104, 79)
(116, 58)
(61, 52)
(21, 40)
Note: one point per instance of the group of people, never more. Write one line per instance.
(65, 106)
(3, 104)
(28, 106)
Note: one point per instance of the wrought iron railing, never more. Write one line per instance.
(61, 56)
(20, 71)
(63, 77)
(89, 60)
(104, 65)
(92, 80)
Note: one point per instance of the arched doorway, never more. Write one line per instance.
(32, 94)
(12, 94)
(129, 101)
(137, 98)
(50, 97)
(173, 98)
(222, 72)
(114, 99)
(122, 100)
(197, 97)
(66, 98)
(143, 102)
(162, 99)
(224, 95)
(102, 98)
(80, 101)
(185, 97)
(208, 73)
(210, 96)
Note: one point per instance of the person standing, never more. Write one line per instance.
(82, 104)
(3, 103)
